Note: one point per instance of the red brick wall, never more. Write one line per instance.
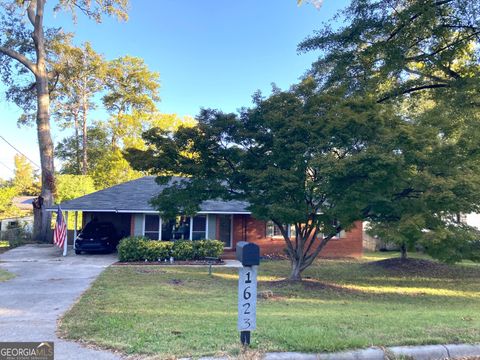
(252, 230)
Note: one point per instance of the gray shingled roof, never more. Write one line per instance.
(134, 196)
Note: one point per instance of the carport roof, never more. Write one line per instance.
(134, 196)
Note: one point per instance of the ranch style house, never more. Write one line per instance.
(127, 207)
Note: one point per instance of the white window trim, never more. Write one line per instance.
(159, 226)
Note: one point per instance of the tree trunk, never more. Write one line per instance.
(403, 252)
(84, 140)
(296, 273)
(42, 218)
(77, 144)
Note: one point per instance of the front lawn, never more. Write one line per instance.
(181, 311)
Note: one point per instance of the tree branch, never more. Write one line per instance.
(31, 12)
(20, 58)
(410, 90)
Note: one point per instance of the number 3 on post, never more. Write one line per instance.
(247, 298)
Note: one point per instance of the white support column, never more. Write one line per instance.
(75, 229)
(191, 227)
(206, 227)
(65, 244)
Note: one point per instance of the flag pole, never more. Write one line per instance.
(65, 243)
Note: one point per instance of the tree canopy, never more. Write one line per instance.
(315, 161)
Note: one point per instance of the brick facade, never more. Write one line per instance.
(246, 228)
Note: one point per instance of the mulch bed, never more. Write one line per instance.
(175, 263)
(421, 267)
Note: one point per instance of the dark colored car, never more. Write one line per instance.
(97, 237)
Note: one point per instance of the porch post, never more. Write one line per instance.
(75, 229)
(191, 228)
(65, 244)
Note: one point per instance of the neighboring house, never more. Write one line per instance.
(25, 223)
(127, 207)
(23, 203)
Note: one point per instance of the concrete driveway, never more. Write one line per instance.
(46, 286)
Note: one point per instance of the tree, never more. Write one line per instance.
(421, 57)
(25, 178)
(401, 47)
(27, 49)
(132, 94)
(81, 74)
(72, 186)
(98, 142)
(316, 161)
(7, 209)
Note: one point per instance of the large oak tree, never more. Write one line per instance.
(24, 49)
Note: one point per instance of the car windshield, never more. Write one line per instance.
(97, 229)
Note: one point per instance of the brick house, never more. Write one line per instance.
(127, 207)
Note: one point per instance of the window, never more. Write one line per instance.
(176, 229)
(273, 230)
(152, 227)
(199, 227)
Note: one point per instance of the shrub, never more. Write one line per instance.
(207, 248)
(132, 248)
(183, 250)
(139, 248)
(158, 250)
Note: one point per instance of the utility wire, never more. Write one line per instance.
(8, 167)
(13, 147)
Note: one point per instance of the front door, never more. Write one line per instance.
(225, 229)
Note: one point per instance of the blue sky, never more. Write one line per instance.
(210, 53)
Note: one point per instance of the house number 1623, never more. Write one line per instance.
(247, 298)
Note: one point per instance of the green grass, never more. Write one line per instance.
(5, 275)
(181, 311)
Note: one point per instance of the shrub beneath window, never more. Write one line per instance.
(183, 250)
(158, 250)
(132, 248)
(207, 248)
(139, 248)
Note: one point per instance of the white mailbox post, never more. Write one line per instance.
(249, 255)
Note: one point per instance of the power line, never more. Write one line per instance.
(8, 167)
(33, 162)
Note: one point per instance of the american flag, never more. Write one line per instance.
(60, 232)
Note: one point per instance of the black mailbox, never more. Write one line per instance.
(248, 253)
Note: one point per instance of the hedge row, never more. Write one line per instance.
(139, 248)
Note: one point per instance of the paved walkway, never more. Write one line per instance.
(46, 285)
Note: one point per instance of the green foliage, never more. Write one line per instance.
(7, 209)
(401, 47)
(422, 58)
(132, 248)
(207, 248)
(183, 250)
(98, 144)
(453, 243)
(130, 98)
(112, 169)
(299, 157)
(158, 250)
(139, 248)
(25, 180)
(72, 186)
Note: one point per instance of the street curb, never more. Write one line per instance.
(426, 352)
